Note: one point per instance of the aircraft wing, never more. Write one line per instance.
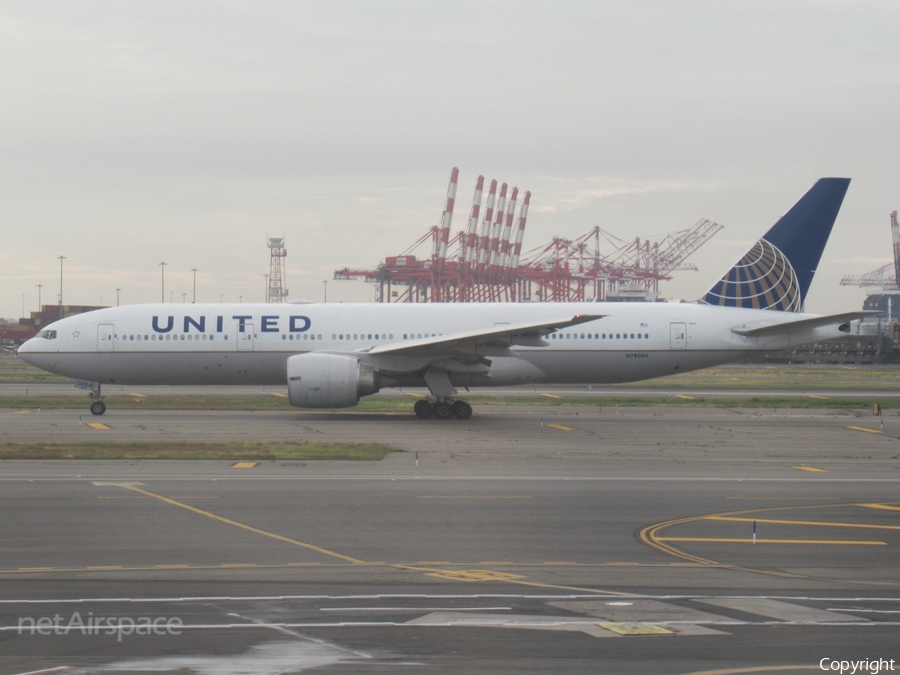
(500, 336)
(801, 324)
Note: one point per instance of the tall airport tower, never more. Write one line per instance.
(277, 254)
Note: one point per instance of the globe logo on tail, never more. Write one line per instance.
(763, 279)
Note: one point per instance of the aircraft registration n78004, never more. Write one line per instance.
(330, 355)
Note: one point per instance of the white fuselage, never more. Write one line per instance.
(250, 343)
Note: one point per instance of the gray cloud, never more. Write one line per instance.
(187, 132)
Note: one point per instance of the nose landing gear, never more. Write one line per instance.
(442, 408)
(98, 407)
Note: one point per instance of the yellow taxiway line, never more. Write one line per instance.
(458, 575)
(805, 522)
(880, 506)
(755, 669)
(774, 541)
(249, 528)
(473, 497)
(869, 431)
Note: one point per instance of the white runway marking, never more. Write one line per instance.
(784, 611)
(804, 480)
(441, 596)
(307, 638)
(271, 658)
(412, 609)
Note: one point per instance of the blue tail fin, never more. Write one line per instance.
(777, 271)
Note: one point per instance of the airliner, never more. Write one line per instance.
(331, 355)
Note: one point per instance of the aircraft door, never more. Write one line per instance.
(105, 337)
(678, 336)
(245, 340)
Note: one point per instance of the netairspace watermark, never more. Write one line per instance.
(869, 666)
(120, 626)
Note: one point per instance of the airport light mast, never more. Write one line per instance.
(277, 253)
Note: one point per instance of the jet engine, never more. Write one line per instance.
(328, 380)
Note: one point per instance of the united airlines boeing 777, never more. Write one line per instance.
(330, 355)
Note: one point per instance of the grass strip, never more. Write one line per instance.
(780, 377)
(227, 451)
(404, 403)
(741, 376)
(164, 402)
(15, 370)
(765, 402)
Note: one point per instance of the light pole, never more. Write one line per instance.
(39, 287)
(195, 270)
(241, 298)
(266, 294)
(61, 258)
(162, 266)
(325, 290)
(183, 298)
(117, 296)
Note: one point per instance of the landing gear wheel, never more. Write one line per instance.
(423, 410)
(443, 410)
(98, 408)
(462, 410)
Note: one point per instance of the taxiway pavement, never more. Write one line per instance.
(523, 540)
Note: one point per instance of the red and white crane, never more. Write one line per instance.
(886, 276)
(488, 266)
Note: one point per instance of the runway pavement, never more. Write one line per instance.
(581, 540)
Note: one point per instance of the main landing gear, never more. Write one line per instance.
(442, 408)
(98, 407)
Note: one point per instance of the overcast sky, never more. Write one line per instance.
(133, 133)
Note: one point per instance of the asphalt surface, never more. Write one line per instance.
(37, 389)
(580, 540)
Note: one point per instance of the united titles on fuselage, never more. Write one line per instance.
(267, 324)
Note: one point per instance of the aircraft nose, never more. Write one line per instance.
(26, 350)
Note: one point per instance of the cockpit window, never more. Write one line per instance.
(47, 334)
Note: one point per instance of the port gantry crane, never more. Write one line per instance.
(484, 262)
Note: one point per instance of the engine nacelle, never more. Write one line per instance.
(328, 380)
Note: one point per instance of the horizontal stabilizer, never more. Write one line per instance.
(786, 327)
